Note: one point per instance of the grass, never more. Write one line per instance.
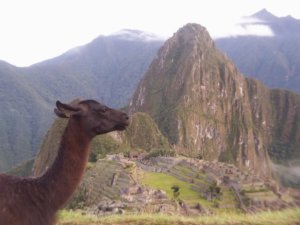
(197, 176)
(76, 217)
(263, 195)
(165, 182)
(284, 217)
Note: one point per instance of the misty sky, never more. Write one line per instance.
(35, 30)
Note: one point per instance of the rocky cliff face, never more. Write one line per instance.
(207, 109)
(285, 146)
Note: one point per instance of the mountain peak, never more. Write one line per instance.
(281, 26)
(190, 89)
(191, 37)
(192, 30)
(264, 14)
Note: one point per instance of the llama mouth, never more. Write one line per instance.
(121, 127)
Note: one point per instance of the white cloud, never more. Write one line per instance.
(245, 27)
(130, 34)
(253, 29)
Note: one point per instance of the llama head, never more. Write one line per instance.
(93, 117)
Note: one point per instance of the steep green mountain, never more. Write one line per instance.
(23, 117)
(285, 146)
(107, 69)
(275, 60)
(142, 135)
(207, 109)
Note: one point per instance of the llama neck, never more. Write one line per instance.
(62, 178)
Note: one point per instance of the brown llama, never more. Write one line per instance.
(35, 200)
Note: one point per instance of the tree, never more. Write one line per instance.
(176, 191)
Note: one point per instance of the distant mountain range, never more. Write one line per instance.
(275, 60)
(107, 69)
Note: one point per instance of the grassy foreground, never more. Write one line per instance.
(285, 217)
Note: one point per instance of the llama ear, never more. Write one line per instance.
(65, 110)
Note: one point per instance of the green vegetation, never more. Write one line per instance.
(176, 191)
(144, 133)
(106, 144)
(103, 179)
(192, 187)
(187, 194)
(281, 152)
(24, 118)
(165, 182)
(160, 152)
(76, 217)
(286, 217)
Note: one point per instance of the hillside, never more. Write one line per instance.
(142, 135)
(23, 117)
(207, 109)
(124, 175)
(107, 69)
(119, 184)
(274, 60)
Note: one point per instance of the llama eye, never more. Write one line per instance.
(104, 109)
(101, 111)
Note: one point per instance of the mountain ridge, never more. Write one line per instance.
(206, 107)
(281, 26)
(264, 14)
(274, 59)
(107, 69)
